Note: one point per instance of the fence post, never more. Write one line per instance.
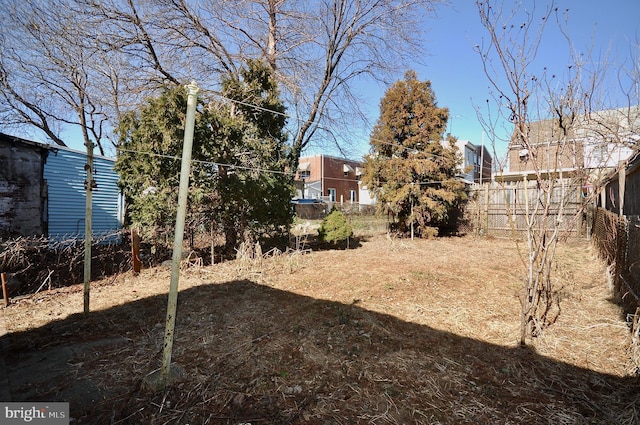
(167, 373)
(135, 251)
(486, 210)
(90, 184)
(580, 210)
(5, 292)
(620, 250)
(622, 175)
(478, 215)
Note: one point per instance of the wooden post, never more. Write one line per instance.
(580, 207)
(5, 292)
(213, 246)
(90, 183)
(486, 211)
(526, 202)
(135, 251)
(622, 175)
(412, 218)
(478, 214)
(620, 263)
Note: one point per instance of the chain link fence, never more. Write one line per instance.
(618, 241)
(319, 210)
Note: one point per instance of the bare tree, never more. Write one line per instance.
(356, 40)
(47, 77)
(318, 49)
(49, 80)
(558, 127)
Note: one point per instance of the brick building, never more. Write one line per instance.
(594, 146)
(328, 178)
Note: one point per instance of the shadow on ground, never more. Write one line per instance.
(254, 354)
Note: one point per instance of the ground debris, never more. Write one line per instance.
(421, 335)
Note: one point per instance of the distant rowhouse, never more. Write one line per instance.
(331, 179)
(42, 191)
(476, 162)
(574, 161)
(595, 145)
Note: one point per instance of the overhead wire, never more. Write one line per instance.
(260, 108)
(302, 121)
(219, 164)
(264, 170)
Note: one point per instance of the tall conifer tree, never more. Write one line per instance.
(411, 169)
(239, 180)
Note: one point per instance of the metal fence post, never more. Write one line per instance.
(166, 372)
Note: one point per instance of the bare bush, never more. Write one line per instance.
(34, 263)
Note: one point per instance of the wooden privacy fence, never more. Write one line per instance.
(618, 241)
(500, 209)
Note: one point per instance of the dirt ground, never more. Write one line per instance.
(388, 332)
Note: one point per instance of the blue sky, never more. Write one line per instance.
(455, 69)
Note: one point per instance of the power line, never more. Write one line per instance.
(264, 170)
(256, 107)
(300, 120)
(218, 164)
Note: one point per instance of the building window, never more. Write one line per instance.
(332, 194)
(352, 195)
(304, 170)
(524, 155)
(601, 154)
(346, 169)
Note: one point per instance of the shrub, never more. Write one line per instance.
(334, 228)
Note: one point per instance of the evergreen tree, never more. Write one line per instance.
(335, 228)
(238, 180)
(411, 168)
(148, 163)
(254, 190)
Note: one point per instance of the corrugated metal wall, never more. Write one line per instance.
(65, 175)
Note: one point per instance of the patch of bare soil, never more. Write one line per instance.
(392, 332)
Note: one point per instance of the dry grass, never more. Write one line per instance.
(393, 332)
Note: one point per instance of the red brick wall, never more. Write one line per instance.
(331, 171)
(336, 178)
